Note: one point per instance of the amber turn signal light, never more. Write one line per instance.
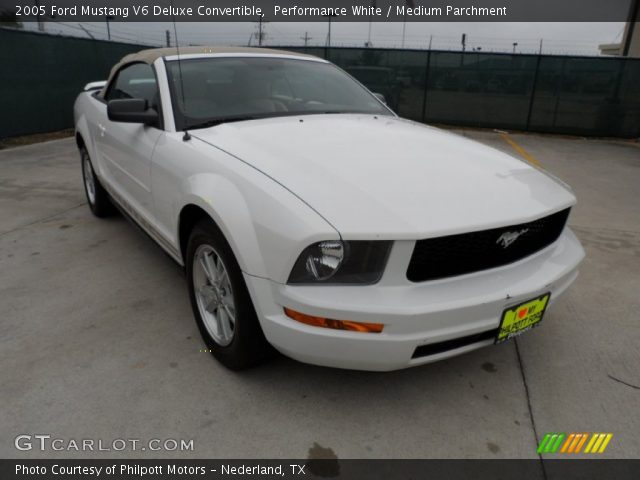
(334, 324)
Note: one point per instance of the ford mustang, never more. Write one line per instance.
(312, 220)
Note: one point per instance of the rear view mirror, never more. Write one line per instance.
(132, 110)
(380, 97)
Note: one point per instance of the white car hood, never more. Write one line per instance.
(389, 178)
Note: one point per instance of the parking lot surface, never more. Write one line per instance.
(97, 339)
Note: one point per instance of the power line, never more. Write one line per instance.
(415, 41)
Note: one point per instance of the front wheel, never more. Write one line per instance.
(221, 302)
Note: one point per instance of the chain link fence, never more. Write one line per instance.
(595, 96)
(592, 96)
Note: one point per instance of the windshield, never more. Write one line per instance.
(235, 88)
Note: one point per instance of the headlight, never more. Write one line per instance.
(323, 259)
(338, 262)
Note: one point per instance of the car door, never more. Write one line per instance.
(126, 148)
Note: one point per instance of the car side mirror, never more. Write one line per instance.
(132, 110)
(380, 97)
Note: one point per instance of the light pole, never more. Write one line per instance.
(515, 44)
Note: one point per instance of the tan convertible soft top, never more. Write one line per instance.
(150, 55)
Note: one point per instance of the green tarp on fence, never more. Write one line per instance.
(40, 76)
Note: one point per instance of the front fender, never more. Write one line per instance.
(266, 226)
(82, 114)
(227, 207)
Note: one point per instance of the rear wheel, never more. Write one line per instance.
(221, 302)
(97, 197)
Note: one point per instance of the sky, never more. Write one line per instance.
(557, 37)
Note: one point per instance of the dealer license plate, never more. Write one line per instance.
(523, 317)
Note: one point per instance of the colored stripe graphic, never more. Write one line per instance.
(598, 443)
(573, 443)
(550, 442)
(605, 443)
(581, 442)
(556, 445)
(543, 443)
(569, 441)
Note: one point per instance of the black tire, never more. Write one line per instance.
(248, 346)
(99, 203)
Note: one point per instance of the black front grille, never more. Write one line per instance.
(471, 252)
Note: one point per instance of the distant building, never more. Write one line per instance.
(630, 45)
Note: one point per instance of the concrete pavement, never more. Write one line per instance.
(97, 340)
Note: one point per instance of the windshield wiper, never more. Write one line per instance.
(240, 118)
(219, 121)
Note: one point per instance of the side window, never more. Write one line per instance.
(135, 81)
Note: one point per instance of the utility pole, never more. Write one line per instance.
(168, 35)
(328, 44)
(329, 31)
(306, 38)
(108, 17)
(540, 51)
(430, 41)
(260, 34)
(404, 27)
(464, 42)
(373, 6)
(410, 4)
(40, 23)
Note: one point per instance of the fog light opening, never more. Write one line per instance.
(333, 324)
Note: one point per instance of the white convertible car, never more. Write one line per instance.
(310, 218)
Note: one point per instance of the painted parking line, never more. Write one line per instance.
(523, 153)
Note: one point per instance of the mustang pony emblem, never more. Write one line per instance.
(507, 238)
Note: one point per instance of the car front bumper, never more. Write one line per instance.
(452, 316)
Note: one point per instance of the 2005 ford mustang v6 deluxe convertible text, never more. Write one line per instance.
(312, 219)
